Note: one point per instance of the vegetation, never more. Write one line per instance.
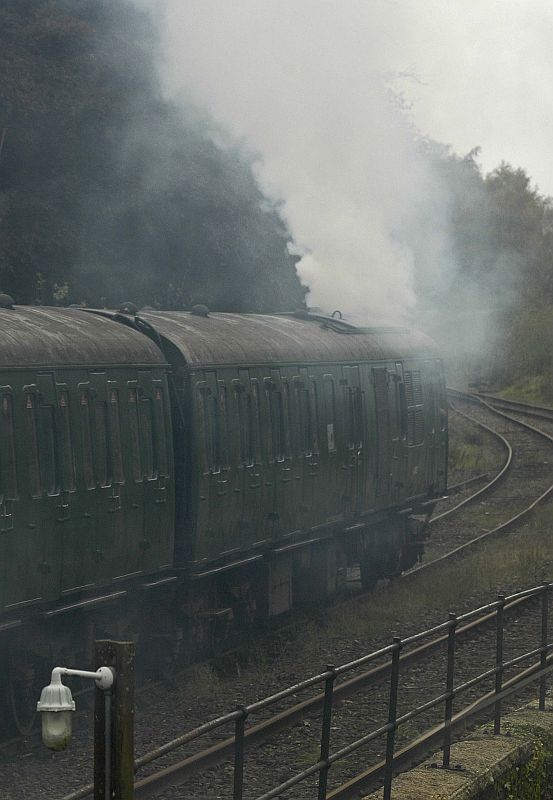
(105, 185)
(469, 451)
(494, 300)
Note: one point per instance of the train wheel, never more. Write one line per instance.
(23, 697)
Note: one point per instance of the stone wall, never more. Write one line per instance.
(516, 765)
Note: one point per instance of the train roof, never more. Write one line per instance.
(225, 339)
(46, 337)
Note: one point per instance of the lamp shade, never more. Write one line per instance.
(57, 705)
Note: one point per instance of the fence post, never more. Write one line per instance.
(498, 661)
(114, 723)
(543, 655)
(392, 715)
(449, 687)
(325, 731)
(239, 729)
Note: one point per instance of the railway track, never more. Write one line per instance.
(516, 406)
(512, 468)
(522, 484)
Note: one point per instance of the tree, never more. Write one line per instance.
(107, 188)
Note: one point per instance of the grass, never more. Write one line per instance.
(515, 561)
(469, 449)
(533, 389)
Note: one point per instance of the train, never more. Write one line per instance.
(172, 476)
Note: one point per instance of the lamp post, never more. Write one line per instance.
(57, 705)
(113, 717)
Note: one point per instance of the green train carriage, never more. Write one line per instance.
(173, 475)
(86, 480)
(308, 444)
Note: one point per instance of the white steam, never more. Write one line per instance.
(303, 84)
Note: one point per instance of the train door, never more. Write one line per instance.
(154, 426)
(50, 498)
(287, 485)
(354, 437)
(416, 431)
(212, 399)
(124, 408)
(332, 475)
(436, 420)
(111, 551)
(15, 581)
(274, 491)
(383, 436)
(398, 464)
(59, 445)
(307, 469)
(228, 495)
(29, 546)
(249, 518)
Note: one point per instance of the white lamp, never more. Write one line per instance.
(56, 704)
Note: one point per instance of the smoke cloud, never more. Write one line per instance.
(308, 87)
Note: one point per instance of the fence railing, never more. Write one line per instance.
(400, 652)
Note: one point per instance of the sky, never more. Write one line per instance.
(305, 84)
(478, 72)
(484, 71)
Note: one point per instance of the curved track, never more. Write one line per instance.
(524, 482)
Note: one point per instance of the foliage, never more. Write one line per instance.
(530, 780)
(495, 294)
(108, 192)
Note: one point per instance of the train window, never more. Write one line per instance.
(221, 434)
(287, 422)
(383, 430)
(245, 426)
(115, 437)
(101, 453)
(46, 450)
(7, 450)
(354, 418)
(443, 408)
(34, 471)
(162, 462)
(276, 422)
(66, 446)
(135, 436)
(330, 412)
(32, 450)
(146, 431)
(415, 412)
(314, 417)
(208, 410)
(255, 424)
(86, 441)
(305, 420)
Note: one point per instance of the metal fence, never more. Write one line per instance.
(399, 653)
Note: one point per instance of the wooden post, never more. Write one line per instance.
(120, 656)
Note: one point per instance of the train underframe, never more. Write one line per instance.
(182, 618)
